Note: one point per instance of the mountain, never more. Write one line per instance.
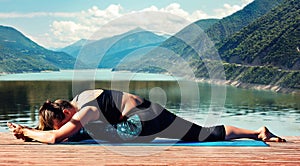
(235, 22)
(263, 51)
(219, 30)
(74, 48)
(206, 23)
(272, 40)
(108, 52)
(19, 54)
(266, 52)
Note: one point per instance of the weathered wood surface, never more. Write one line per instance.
(16, 152)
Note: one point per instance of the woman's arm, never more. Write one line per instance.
(54, 136)
(79, 119)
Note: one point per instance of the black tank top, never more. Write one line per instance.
(125, 129)
(109, 102)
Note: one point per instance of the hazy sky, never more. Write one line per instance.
(58, 23)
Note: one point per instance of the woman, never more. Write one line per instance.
(122, 117)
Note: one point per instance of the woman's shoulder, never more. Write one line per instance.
(91, 93)
(87, 96)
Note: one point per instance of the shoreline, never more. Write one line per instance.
(273, 88)
(234, 83)
(260, 87)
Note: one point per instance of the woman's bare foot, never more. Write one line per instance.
(266, 136)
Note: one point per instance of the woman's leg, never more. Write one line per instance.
(262, 133)
(176, 127)
(159, 122)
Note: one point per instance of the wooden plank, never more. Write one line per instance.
(16, 152)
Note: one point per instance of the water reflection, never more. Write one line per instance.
(20, 100)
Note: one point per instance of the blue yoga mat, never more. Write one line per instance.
(167, 142)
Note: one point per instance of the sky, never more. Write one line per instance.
(59, 23)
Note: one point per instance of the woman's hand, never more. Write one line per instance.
(18, 130)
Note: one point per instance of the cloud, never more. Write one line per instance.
(68, 27)
(89, 21)
(175, 9)
(37, 14)
(246, 2)
(230, 9)
(81, 26)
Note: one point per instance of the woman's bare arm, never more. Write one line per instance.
(79, 119)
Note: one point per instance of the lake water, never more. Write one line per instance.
(22, 94)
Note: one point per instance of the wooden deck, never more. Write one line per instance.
(16, 152)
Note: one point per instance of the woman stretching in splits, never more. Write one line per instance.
(122, 117)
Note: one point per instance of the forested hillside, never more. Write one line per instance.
(220, 30)
(19, 54)
(206, 23)
(272, 40)
(266, 51)
(232, 24)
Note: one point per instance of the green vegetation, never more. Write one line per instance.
(264, 52)
(271, 40)
(258, 45)
(263, 75)
(291, 80)
(206, 23)
(20, 54)
(237, 21)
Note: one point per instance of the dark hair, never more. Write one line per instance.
(50, 111)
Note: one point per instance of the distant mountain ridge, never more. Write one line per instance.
(19, 54)
(74, 48)
(108, 52)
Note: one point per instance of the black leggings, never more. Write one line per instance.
(159, 122)
(155, 121)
